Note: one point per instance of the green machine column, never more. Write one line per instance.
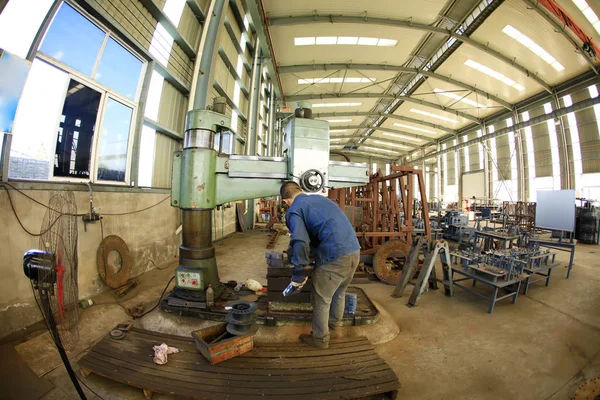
(194, 192)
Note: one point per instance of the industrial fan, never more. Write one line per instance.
(53, 274)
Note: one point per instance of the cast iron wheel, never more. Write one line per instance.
(389, 261)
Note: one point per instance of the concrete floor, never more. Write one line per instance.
(543, 347)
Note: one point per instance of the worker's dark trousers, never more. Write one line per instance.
(328, 297)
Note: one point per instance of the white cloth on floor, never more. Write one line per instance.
(161, 352)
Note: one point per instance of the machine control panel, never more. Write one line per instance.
(189, 280)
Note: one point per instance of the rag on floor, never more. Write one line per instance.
(161, 352)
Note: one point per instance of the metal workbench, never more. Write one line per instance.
(558, 245)
(478, 274)
(541, 265)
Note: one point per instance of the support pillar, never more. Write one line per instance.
(271, 144)
(520, 153)
(252, 129)
(204, 76)
(565, 161)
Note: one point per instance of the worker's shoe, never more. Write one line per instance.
(309, 340)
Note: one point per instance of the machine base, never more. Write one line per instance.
(273, 313)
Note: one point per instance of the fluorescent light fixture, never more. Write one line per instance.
(347, 40)
(401, 136)
(459, 98)
(310, 81)
(494, 74)
(339, 120)
(304, 41)
(589, 13)
(377, 149)
(432, 115)
(414, 128)
(337, 130)
(391, 144)
(533, 46)
(319, 105)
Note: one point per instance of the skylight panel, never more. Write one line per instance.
(366, 41)
(432, 115)
(304, 41)
(326, 40)
(494, 74)
(390, 144)
(459, 98)
(387, 43)
(377, 149)
(310, 81)
(395, 135)
(347, 40)
(533, 46)
(414, 128)
(319, 105)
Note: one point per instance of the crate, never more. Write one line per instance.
(223, 349)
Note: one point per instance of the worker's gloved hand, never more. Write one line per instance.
(295, 286)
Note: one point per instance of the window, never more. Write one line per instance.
(19, 23)
(82, 89)
(73, 40)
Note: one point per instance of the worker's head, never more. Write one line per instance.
(288, 191)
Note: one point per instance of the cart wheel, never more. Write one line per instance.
(389, 261)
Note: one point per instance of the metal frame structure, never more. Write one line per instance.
(520, 213)
(387, 205)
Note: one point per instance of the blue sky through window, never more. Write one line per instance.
(119, 69)
(112, 157)
(73, 40)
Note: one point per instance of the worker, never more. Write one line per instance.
(321, 229)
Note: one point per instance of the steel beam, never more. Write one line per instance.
(208, 50)
(391, 116)
(561, 28)
(380, 96)
(256, 15)
(197, 10)
(170, 27)
(391, 68)
(344, 19)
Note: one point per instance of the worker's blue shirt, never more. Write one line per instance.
(319, 227)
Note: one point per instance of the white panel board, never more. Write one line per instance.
(555, 209)
(473, 184)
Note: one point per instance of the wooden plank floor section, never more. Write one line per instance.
(349, 369)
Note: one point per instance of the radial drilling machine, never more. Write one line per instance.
(206, 174)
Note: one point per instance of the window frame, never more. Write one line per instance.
(105, 92)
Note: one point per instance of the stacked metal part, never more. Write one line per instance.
(586, 226)
(241, 318)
